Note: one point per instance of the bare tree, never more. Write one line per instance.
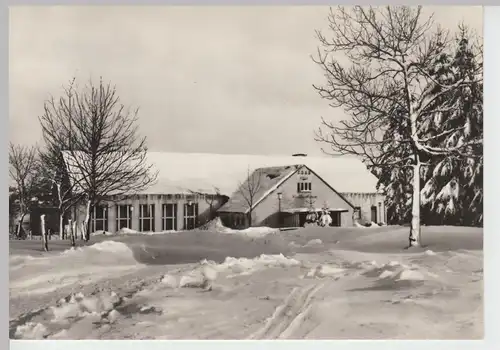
(249, 190)
(210, 199)
(23, 170)
(103, 153)
(54, 170)
(385, 78)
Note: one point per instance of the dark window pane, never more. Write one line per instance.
(190, 223)
(99, 212)
(145, 225)
(298, 187)
(188, 210)
(123, 223)
(168, 210)
(169, 225)
(99, 225)
(145, 210)
(124, 210)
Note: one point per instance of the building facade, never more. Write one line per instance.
(286, 201)
(193, 188)
(153, 212)
(369, 207)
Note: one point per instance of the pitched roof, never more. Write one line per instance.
(257, 186)
(203, 172)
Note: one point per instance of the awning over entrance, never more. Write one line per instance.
(307, 210)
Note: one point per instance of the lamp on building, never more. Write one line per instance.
(280, 196)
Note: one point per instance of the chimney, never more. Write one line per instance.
(299, 155)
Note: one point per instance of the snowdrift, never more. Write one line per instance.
(53, 321)
(207, 271)
(216, 225)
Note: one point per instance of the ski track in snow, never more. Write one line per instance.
(289, 316)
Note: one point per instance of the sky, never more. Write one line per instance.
(205, 79)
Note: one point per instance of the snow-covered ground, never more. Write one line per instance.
(314, 283)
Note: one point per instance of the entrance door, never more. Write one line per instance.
(336, 221)
(374, 213)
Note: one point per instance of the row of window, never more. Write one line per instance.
(304, 187)
(304, 172)
(99, 217)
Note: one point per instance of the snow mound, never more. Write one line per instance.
(429, 252)
(63, 334)
(31, 330)
(127, 231)
(113, 316)
(109, 247)
(373, 270)
(216, 225)
(170, 281)
(102, 233)
(386, 274)
(323, 271)
(193, 280)
(258, 231)
(244, 266)
(367, 225)
(202, 277)
(16, 261)
(396, 272)
(314, 242)
(79, 306)
(409, 275)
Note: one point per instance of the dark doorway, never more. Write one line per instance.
(302, 219)
(374, 213)
(336, 218)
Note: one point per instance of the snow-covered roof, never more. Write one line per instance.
(261, 183)
(202, 172)
(205, 172)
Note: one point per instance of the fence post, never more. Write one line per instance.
(44, 233)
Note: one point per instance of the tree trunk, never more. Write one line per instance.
(86, 226)
(414, 239)
(72, 229)
(249, 218)
(61, 226)
(44, 233)
(20, 225)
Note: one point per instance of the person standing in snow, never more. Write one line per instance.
(326, 219)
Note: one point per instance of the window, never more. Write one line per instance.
(169, 217)
(357, 213)
(304, 187)
(147, 218)
(190, 214)
(99, 218)
(123, 216)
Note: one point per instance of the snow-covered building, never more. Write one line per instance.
(192, 188)
(283, 196)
